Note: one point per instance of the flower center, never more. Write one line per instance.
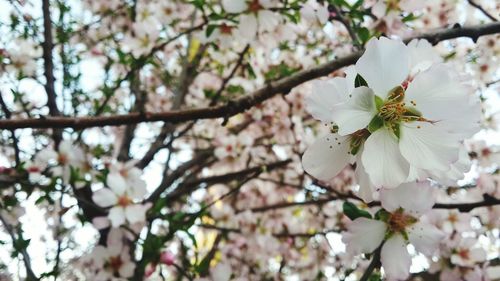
(115, 263)
(62, 158)
(254, 6)
(225, 29)
(464, 254)
(398, 221)
(124, 201)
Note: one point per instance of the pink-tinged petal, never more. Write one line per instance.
(324, 95)
(364, 235)
(117, 183)
(415, 198)
(104, 197)
(326, 157)
(135, 213)
(384, 65)
(383, 161)
(117, 216)
(356, 112)
(425, 237)
(395, 258)
(427, 146)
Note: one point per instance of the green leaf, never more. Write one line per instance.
(363, 34)
(360, 81)
(353, 212)
(376, 123)
(210, 30)
(410, 17)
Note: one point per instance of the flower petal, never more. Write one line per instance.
(415, 197)
(395, 258)
(117, 216)
(117, 183)
(427, 146)
(364, 235)
(356, 112)
(104, 197)
(326, 157)
(366, 187)
(384, 65)
(425, 237)
(234, 6)
(383, 161)
(247, 28)
(325, 94)
(436, 90)
(135, 213)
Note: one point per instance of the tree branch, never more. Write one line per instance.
(480, 8)
(241, 104)
(48, 64)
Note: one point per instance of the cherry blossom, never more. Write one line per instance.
(122, 197)
(399, 225)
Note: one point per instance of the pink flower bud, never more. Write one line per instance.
(167, 258)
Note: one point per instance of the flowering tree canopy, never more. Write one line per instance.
(250, 140)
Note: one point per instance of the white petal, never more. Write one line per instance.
(415, 198)
(436, 90)
(356, 112)
(323, 14)
(307, 12)
(384, 65)
(267, 20)
(366, 187)
(426, 146)
(422, 55)
(105, 197)
(117, 183)
(117, 216)
(425, 237)
(383, 161)
(221, 272)
(327, 156)
(395, 258)
(324, 95)
(247, 28)
(135, 213)
(127, 270)
(364, 235)
(234, 6)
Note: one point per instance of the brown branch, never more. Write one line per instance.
(15, 142)
(192, 185)
(48, 63)
(462, 207)
(375, 263)
(241, 104)
(278, 234)
(480, 8)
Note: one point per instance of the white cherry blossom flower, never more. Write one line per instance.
(399, 225)
(61, 161)
(121, 196)
(399, 121)
(256, 19)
